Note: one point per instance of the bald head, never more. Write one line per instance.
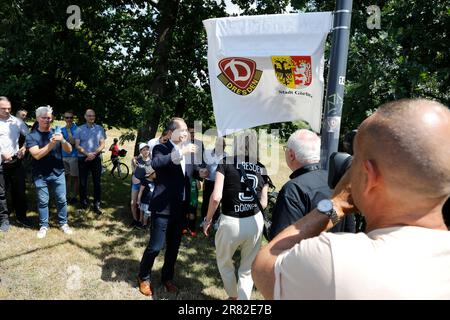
(409, 141)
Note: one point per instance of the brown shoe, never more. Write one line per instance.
(145, 287)
(170, 286)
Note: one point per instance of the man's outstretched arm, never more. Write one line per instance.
(311, 225)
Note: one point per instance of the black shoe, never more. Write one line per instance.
(139, 225)
(25, 222)
(4, 225)
(84, 205)
(97, 209)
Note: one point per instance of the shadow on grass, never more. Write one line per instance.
(120, 248)
(195, 265)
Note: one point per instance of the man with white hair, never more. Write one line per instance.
(11, 128)
(308, 184)
(45, 145)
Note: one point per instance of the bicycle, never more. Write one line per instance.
(121, 171)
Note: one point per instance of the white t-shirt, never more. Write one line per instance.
(390, 263)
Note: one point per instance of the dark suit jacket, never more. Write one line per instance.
(170, 181)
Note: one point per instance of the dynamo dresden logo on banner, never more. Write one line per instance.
(294, 72)
(239, 75)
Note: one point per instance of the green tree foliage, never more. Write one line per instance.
(407, 57)
(138, 63)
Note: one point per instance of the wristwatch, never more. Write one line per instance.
(325, 206)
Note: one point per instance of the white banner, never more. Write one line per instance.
(266, 69)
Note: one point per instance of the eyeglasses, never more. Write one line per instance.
(90, 115)
(68, 117)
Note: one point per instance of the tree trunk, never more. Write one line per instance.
(168, 12)
(148, 131)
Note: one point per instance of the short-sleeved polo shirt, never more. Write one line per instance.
(89, 137)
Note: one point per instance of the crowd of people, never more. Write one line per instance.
(399, 181)
(61, 159)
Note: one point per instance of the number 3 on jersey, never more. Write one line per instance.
(247, 195)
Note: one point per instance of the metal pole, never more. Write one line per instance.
(336, 80)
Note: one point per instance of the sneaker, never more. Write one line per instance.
(25, 222)
(42, 232)
(66, 229)
(4, 225)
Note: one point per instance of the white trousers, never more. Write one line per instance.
(238, 233)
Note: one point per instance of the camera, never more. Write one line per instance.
(340, 162)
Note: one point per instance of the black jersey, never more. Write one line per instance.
(237, 200)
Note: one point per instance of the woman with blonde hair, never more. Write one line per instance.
(241, 222)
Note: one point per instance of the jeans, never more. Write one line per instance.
(58, 184)
(166, 229)
(95, 167)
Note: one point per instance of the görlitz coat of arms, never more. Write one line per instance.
(294, 72)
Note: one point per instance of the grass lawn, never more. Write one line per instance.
(101, 259)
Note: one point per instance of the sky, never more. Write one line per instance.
(232, 8)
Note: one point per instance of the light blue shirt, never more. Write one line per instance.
(73, 130)
(89, 137)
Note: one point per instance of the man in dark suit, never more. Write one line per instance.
(168, 206)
